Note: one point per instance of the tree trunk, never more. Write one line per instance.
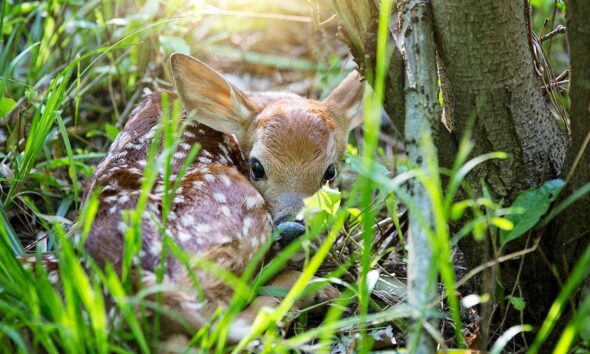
(573, 235)
(486, 69)
(487, 74)
(423, 115)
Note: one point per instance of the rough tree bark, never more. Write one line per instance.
(486, 71)
(487, 74)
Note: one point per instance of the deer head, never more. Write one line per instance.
(292, 144)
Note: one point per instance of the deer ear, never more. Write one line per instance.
(343, 100)
(217, 103)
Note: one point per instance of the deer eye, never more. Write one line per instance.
(330, 174)
(256, 170)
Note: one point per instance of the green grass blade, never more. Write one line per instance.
(8, 233)
(579, 273)
(70, 155)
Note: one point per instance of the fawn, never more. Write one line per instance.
(261, 155)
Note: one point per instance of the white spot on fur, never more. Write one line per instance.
(124, 199)
(204, 160)
(135, 171)
(187, 220)
(225, 210)
(112, 198)
(133, 146)
(185, 146)
(222, 160)
(223, 148)
(225, 179)
(120, 155)
(209, 177)
(109, 187)
(198, 185)
(184, 236)
(53, 277)
(220, 197)
(150, 134)
(254, 242)
(179, 155)
(155, 248)
(192, 306)
(247, 223)
(202, 228)
(254, 201)
(122, 227)
(189, 134)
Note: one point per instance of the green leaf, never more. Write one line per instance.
(326, 200)
(502, 223)
(354, 213)
(535, 203)
(111, 131)
(6, 105)
(458, 209)
(541, 4)
(351, 150)
(519, 303)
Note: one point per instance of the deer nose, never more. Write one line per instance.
(289, 231)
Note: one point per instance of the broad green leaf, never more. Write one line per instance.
(111, 131)
(6, 105)
(519, 303)
(535, 203)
